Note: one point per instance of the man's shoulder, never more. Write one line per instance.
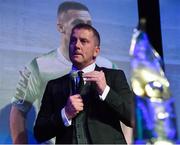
(45, 56)
(59, 79)
(111, 70)
(50, 63)
(42, 57)
(113, 74)
(38, 61)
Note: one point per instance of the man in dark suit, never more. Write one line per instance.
(85, 108)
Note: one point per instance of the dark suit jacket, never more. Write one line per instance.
(102, 116)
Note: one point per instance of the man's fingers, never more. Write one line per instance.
(94, 75)
(76, 103)
(79, 108)
(73, 109)
(98, 77)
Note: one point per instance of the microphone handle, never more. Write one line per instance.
(74, 86)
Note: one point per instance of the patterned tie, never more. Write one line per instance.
(80, 130)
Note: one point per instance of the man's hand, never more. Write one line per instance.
(74, 106)
(99, 78)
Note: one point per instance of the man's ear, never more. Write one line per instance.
(96, 52)
(60, 28)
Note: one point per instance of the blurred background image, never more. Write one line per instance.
(28, 29)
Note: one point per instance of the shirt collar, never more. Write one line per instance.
(87, 69)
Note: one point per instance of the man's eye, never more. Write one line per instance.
(73, 40)
(83, 41)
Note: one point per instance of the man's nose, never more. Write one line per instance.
(78, 44)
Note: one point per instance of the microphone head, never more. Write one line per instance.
(74, 74)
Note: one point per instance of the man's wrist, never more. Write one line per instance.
(105, 92)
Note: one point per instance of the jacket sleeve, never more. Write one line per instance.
(49, 120)
(120, 97)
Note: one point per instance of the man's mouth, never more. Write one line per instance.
(77, 53)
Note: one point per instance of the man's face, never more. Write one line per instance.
(83, 48)
(72, 18)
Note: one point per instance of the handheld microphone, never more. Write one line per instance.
(74, 82)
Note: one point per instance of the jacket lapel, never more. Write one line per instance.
(97, 68)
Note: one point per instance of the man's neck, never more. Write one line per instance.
(63, 48)
(64, 52)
